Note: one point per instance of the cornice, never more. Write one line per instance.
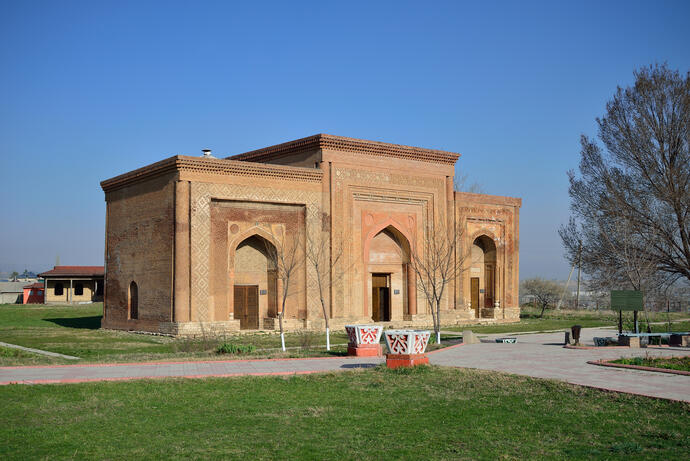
(469, 198)
(343, 144)
(212, 166)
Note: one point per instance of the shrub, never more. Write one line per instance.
(236, 349)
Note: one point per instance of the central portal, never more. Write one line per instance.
(380, 298)
(388, 258)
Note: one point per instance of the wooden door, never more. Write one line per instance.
(253, 307)
(489, 279)
(474, 291)
(246, 306)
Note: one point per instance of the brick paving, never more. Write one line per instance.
(536, 355)
(543, 356)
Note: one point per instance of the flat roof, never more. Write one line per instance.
(74, 271)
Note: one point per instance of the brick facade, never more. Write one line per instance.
(189, 232)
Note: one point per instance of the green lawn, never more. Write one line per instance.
(423, 413)
(671, 363)
(75, 331)
(564, 319)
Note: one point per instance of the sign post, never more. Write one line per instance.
(626, 300)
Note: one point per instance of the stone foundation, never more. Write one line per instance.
(448, 318)
(199, 328)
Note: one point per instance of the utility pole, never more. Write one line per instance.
(579, 264)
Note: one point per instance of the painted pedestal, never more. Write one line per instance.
(406, 347)
(364, 340)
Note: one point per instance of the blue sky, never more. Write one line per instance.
(90, 90)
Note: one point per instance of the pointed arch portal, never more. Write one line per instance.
(254, 281)
(483, 274)
(391, 283)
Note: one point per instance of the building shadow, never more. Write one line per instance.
(84, 323)
(359, 365)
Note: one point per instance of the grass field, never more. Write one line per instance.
(671, 363)
(564, 319)
(423, 413)
(75, 331)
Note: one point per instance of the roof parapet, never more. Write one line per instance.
(341, 143)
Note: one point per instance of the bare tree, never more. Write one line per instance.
(461, 183)
(287, 256)
(544, 292)
(439, 260)
(631, 200)
(324, 254)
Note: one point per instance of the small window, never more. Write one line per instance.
(59, 289)
(79, 289)
(133, 301)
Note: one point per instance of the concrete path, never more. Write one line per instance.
(538, 355)
(38, 351)
(543, 356)
(123, 371)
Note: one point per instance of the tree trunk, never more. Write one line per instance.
(437, 326)
(325, 319)
(282, 332)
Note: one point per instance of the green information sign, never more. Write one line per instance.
(626, 300)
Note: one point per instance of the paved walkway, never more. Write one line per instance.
(38, 351)
(543, 356)
(123, 371)
(538, 355)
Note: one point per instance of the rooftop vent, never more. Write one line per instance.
(207, 153)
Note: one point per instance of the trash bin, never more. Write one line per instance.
(575, 330)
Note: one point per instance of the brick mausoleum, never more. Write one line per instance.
(188, 238)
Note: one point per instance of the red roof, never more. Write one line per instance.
(74, 271)
(34, 286)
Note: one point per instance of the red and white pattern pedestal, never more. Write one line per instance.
(364, 340)
(406, 347)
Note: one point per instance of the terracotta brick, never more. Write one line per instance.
(175, 227)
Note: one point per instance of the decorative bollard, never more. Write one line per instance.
(364, 340)
(406, 347)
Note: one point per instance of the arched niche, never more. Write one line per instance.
(483, 283)
(390, 279)
(254, 282)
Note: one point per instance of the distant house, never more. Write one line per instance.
(73, 284)
(33, 293)
(11, 292)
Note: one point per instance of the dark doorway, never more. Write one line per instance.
(489, 276)
(133, 300)
(474, 291)
(380, 298)
(246, 306)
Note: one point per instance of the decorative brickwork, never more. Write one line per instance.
(174, 228)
